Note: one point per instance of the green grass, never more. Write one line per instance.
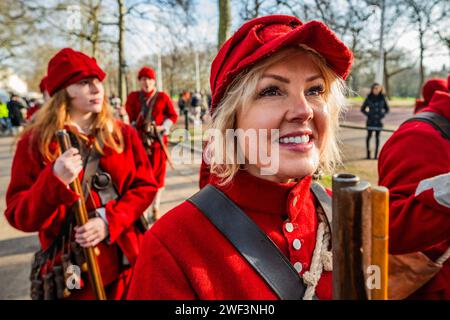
(326, 181)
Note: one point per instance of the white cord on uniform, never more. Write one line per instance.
(321, 259)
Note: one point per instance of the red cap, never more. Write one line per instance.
(147, 72)
(43, 84)
(68, 67)
(261, 37)
(431, 86)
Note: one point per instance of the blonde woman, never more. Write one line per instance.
(268, 237)
(39, 199)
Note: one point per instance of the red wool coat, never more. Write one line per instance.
(184, 256)
(162, 110)
(420, 213)
(36, 200)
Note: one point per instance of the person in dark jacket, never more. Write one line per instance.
(375, 107)
(15, 113)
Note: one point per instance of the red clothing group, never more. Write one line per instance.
(37, 200)
(162, 110)
(415, 165)
(184, 256)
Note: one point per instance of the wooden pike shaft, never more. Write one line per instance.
(380, 237)
(82, 218)
(350, 199)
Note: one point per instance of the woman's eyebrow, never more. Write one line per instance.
(314, 77)
(286, 80)
(276, 77)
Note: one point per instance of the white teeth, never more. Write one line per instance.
(305, 139)
(298, 139)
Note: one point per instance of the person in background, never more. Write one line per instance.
(375, 108)
(5, 121)
(15, 113)
(162, 116)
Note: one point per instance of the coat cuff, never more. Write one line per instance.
(60, 193)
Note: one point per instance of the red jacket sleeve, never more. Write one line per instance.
(169, 110)
(132, 106)
(121, 214)
(409, 159)
(34, 193)
(157, 275)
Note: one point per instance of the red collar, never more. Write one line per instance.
(440, 103)
(148, 94)
(256, 194)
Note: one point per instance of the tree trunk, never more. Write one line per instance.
(386, 76)
(121, 44)
(421, 67)
(224, 22)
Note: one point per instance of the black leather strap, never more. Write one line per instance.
(147, 111)
(253, 244)
(324, 200)
(439, 122)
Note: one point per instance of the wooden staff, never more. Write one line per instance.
(350, 201)
(380, 237)
(82, 218)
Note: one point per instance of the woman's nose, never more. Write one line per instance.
(299, 109)
(95, 86)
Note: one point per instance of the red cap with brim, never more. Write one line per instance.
(262, 37)
(147, 72)
(68, 67)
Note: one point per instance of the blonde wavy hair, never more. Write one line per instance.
(55, 114)
(240, 93)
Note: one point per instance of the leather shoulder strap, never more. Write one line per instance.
(439, 122)
(251, 242)
(324, 200)
(147, 111)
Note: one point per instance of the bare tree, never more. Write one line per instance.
(420, 14)
(224, 21)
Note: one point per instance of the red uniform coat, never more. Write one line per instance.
(36, 200)
(162, 110)
(185, 257)
(420, 213)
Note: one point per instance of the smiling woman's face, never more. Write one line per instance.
(290, 97)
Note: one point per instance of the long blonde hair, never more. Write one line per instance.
(54, 115)
(243, 89)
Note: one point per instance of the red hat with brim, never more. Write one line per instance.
(68, 67)
(43, 84)
(262, 37)
(147, 72)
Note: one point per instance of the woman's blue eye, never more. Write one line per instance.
(270, 91)
(315, 91)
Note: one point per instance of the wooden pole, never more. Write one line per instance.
(82, 218)
(380, 237)
(350, 200)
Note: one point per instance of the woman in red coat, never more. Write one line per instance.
(164, 116)
(280, 80)
(39, 199)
